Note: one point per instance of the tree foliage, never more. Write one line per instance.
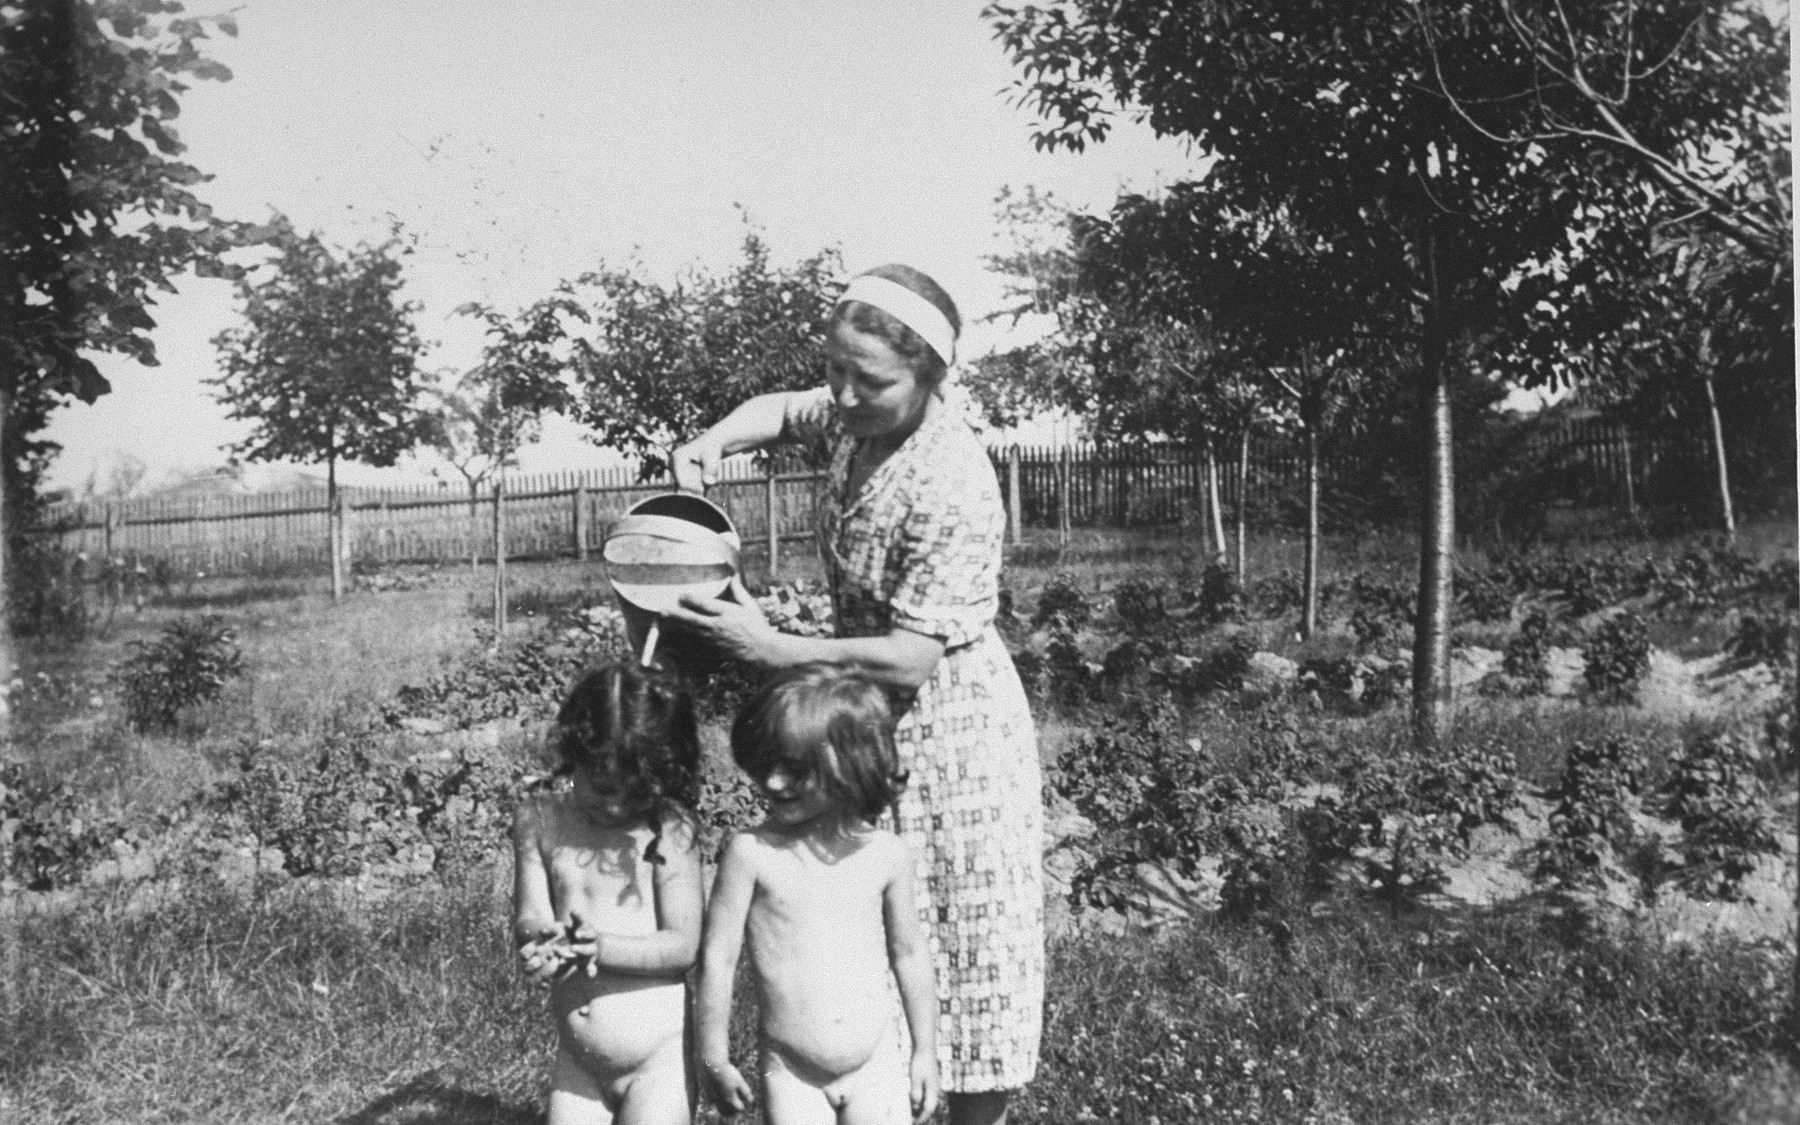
(667, 361)
(98, 213)
(324, 365)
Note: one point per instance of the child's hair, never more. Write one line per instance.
(637, 725)
(827, 723)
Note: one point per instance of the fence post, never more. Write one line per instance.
(1064, 474)
(1630, 485)
(499, 557)
(111, 516)
(347, 536)
(581, 520)
(770, 512)
(1012, 495)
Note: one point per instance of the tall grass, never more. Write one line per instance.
(303, 1003)
(310, 1003)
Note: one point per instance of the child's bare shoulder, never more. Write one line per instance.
(890, 849)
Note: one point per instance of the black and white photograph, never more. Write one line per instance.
(987, 562)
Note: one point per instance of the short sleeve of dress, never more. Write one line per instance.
(948, 555)
(808, 419)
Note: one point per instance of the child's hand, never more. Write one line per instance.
(726, 1084)
(925, 1090)
(542, 956)
(582, 946)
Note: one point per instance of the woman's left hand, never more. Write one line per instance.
(735, 629)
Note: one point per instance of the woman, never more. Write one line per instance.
(911, 538)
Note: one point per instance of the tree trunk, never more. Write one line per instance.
(1718, 436)
(1243, 502)
(1437, 535)
(334, 528)
(499, 557)
(1309, 606)
(1215, 521)
(7, 578)
(474, 531)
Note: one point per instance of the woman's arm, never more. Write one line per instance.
(900, 658)
(726, 917)
(753, 425)
(911, 961)
(671, 950)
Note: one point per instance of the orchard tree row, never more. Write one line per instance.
(1399, 193)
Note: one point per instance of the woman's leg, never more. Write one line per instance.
(985, 1108)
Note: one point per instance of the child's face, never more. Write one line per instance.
(607, 796)
(796, 795)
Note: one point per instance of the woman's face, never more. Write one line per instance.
(876, 392)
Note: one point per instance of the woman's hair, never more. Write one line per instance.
(927, 366)
(635, 725)
(824, 723)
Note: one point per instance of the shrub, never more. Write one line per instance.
(1401, 816)
(1617, 656)
(1591, 821)
(1381, 613)
(1067, 678)
(49, 833)
(1717, 797)
(1219, 598)
(1764, 638)
(1276, 595)
(1061, 600)
(1527, 659)
(1155, 797)
(190, 663)
(523, 680)
(1483, 598)
(1140, 606)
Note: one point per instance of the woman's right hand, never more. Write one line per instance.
(697, 463)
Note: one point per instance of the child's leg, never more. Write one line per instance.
(576, 1097)
(660, 1092)
(788, 1099)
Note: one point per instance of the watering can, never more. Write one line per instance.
(665, 548)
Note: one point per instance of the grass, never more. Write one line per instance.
(310, 1002)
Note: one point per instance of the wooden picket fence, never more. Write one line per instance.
(568, 514)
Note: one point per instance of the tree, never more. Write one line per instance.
(96, 210)
(1330, 111)
(664, 363)
(503, 402)
(325, 364)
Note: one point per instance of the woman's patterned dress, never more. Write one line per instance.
(919, 547)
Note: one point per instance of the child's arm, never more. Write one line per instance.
(535, 932)
(726, 916)
(910, 957)
(670, 951)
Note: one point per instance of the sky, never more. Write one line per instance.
(527, 143)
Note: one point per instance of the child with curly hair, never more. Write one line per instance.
(607, 897)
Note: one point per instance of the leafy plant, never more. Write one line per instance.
(1718, 799)
(1061, 600)
(1219, 598)
(1617, 656)
(1526, 662)
(1139, 606)
(190, 663)
(1401, 816)
(1591, 821)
